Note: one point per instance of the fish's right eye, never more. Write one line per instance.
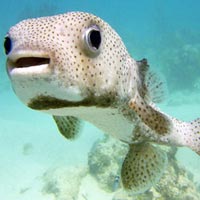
(7, 45)
(92, 40)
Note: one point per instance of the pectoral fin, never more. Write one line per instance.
(143, 167)
(154, 119)
(68, 126)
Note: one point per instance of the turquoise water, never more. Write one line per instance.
(167, 33)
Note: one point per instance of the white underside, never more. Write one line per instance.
(109, 120)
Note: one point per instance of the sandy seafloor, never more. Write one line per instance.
(31, 145)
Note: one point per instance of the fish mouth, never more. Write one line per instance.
(27, 63)
(30, 62)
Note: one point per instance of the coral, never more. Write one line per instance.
(105, 161)
(63, 183)
(175, 186)
(176, 54)
(179, 59)
(186, 64)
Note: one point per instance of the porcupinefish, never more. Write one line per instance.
(75, 67)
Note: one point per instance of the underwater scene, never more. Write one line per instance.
(139, 134)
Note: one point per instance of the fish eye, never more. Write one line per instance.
(92, 40)
(7, 45)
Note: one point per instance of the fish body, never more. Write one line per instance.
(76, 67)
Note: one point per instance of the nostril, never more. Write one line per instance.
(7, 45)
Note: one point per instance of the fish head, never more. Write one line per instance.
(63, 59)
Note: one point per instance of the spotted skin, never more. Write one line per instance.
(142, 167)
(151, 117)
(68, 126)
(60, 38)
(189, 132)
(75, 66)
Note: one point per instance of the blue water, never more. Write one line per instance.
(167, 33)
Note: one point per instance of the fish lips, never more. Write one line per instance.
(28, 64)
(28, 72)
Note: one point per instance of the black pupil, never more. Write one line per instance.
(95, 38)
(7, 45)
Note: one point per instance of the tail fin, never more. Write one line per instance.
(190, 134)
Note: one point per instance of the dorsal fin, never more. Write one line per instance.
(151, 87)
(68, 126)
(156, 89)
(143, 68)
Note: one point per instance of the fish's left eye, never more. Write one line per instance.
(7, 45)
(92, 40)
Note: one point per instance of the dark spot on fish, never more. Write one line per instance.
(47, 102)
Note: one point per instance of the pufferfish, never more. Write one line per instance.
(75, 67)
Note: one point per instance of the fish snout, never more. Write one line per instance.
(30, 71)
